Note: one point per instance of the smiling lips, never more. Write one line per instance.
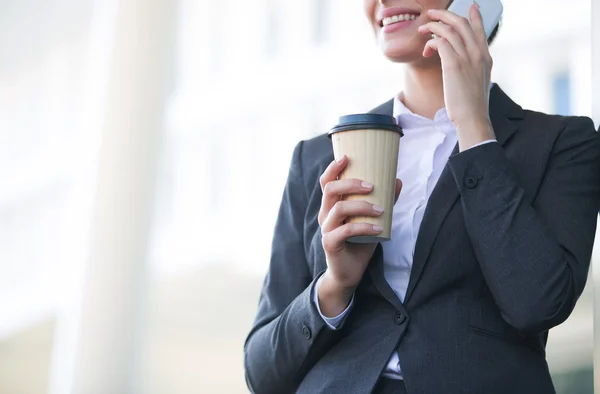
(398, 18)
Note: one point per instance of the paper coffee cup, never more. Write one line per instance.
(371, 143)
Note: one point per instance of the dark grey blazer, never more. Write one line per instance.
(501, 257)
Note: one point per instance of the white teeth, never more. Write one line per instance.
(399, 18)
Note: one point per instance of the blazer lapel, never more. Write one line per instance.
(375, 270)
(445, 194)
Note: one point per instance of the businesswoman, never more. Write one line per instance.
(491, 243)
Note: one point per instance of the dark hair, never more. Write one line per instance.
(494, 33)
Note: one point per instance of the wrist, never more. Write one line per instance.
(333, 298)
(474, 131)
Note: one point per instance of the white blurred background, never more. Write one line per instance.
(143, 151)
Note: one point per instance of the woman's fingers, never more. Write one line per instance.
(335, 240)
(471, 32)
(450, 58)
(447, 32)
(342, 210)
(477, 25)
(334, 190)
(330, 174)
(332, 171)
(458, 23)
(347, 186)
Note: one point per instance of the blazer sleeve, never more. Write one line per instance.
(288, 334)
(534, 256)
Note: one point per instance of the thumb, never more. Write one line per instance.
(398, 189)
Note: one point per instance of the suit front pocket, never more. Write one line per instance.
(514, 338)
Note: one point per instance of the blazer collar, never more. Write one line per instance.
(503, 111)
(504, 115)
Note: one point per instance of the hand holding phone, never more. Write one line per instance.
(466, 65)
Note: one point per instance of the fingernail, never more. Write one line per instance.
(366, 185)
(378, 228)
(432, 11)
(377, 208)
(477, 4)
(340, 159)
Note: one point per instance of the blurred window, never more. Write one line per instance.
(576, 381)
(562, 93)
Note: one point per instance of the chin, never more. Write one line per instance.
(402, 57)
(402, 53)
(398, 52)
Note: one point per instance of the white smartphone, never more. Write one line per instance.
(491, 12)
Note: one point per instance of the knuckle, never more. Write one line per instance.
(366, 228)
(478, 57)
(332, 212)
(322, 181)
(452, 64)
(326, 241)
(457, 37)
(346, 230)
(337, 209)
(447, 31)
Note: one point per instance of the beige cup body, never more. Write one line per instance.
(372, 157)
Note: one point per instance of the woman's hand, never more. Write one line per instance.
(346, 262)
(466, 67)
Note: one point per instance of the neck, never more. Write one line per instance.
(423, 89)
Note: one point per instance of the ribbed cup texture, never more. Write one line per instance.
(372, 157)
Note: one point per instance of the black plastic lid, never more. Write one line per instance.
(366, 121)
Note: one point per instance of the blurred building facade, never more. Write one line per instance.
(251, 79)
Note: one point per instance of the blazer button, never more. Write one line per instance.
(471, 182)
(306, 332)
(399, 318)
